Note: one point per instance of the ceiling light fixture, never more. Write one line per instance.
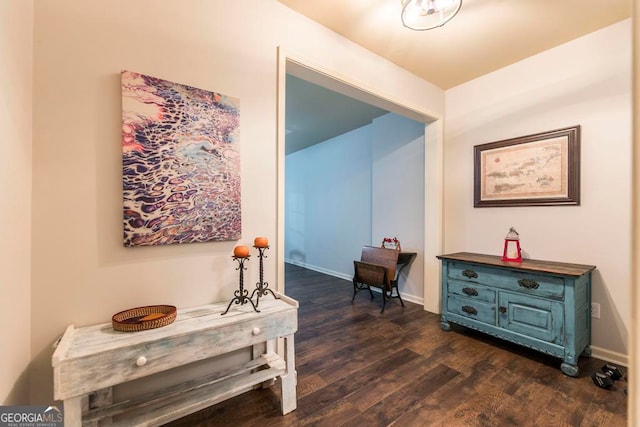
(424, 15)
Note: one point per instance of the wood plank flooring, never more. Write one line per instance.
(357, 367)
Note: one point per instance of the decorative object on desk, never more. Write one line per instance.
(511, 251)
(241, 254)
(180, 163)
(262, 287)
(534, 170)
(391, 243)
(143, 318)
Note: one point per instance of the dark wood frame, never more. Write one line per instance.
(573, 170)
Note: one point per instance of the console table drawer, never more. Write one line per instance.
(530, 283)
(466, 307)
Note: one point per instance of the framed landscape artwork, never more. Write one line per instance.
(180, 163)
(534, 170)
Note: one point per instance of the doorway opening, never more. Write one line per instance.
(432, 162)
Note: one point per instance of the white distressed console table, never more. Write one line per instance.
(89, 361)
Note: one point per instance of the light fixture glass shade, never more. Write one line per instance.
(424, 15)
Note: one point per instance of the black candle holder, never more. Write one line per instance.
(262, 287)
(241, 293)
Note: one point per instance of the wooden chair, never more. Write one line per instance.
(377, 268)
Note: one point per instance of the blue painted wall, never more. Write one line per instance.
(352, 191)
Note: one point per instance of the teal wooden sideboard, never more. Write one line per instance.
(542, 305)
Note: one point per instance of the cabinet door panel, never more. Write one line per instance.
(535, 317)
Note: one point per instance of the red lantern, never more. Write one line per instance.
(511, 250)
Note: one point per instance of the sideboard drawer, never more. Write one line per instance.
(471, 273)
(466, 307)
(472, 291)
(529, 283)
(534, 284)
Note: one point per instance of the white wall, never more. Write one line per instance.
(398, 193)
(16, 63)
(585, 82)
(328, 203)
(81, 272)
(354, 190)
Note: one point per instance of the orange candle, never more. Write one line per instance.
(241, 251)
(261, 242)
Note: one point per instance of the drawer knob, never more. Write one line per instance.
(141, 361)
(528, 283)
(502, 309)
(256, 331)
(470, 291)
(470, 274)
(469, 309)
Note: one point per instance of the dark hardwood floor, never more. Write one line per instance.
(357, 367)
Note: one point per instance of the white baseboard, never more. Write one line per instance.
(412, 298)
(406, 297)
(610, 356)
(320, 269)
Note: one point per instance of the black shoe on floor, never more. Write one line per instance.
(612, 371)
(602, 380)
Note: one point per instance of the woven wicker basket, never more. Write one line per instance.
(143, 318)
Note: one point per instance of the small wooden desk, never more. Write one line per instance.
(89, 361)
(404, 259)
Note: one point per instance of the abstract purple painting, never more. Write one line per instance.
(180, 163)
